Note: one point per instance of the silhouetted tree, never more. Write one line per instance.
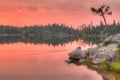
(102, 11)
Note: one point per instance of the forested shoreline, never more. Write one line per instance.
(98, 33)
(55, 34)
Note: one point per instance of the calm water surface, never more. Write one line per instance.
(21, 61)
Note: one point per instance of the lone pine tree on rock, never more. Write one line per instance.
(102, 11)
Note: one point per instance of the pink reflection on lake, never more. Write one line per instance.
(21, 61)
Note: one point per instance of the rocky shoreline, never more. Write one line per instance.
(106, 51)
(103, 59)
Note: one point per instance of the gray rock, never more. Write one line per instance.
(92, 51)
(77, 54)
(82, 61)
(85, 52)
(99, 54)
(112, 39)
(116, 38)
(108, 39)
(105, 53)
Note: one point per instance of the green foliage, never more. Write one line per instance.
(89, 61)
(115, 66)
(105, 65)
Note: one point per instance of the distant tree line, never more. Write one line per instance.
(96, 34)
(53, 34)
(37, 30)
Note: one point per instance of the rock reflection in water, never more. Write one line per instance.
(106, 74)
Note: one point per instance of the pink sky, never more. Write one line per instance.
(70, 12)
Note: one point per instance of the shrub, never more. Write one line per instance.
(115, 66)
(89, 62)
(105, 65)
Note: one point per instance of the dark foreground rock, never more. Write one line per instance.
(77, 54)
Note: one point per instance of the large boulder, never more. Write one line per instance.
(112, 39)
(97, 54)
(105, 53)
(116, 38)
(92, 51)
(77, 54)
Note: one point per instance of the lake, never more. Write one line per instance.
(20, 61)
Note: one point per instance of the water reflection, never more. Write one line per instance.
(41, 62)
(105, 74)
(36, 40)
(41, 41)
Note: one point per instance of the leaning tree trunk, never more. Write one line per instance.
(106, 28)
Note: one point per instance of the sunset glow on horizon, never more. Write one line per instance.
(70, 12)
